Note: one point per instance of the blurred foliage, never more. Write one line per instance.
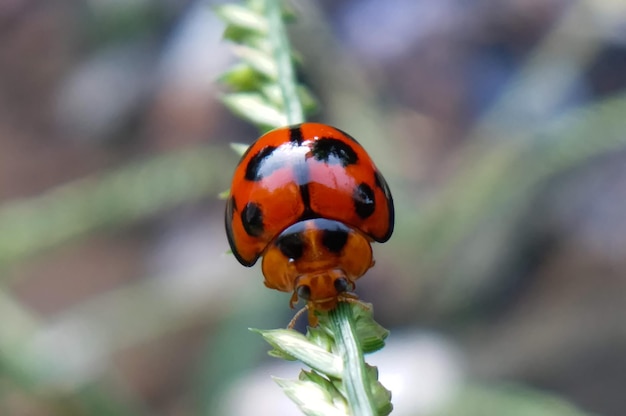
(477, 400)
(115, 199)
(501, 180)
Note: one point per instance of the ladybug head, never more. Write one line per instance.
(318, 260)
(322, 290)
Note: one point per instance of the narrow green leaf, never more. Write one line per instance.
(239, 36)
(273, 94)
(288, 13)
(320, 336)
(255, 108)
(257, 6)
(281, 355)
(242, 17)
(371, 334)
(298, 346)
(380, 395)
(316, 378)
(328, 385)
(311, 398)
(257, 59)
(239, 148)
(243, 77)
(223, 195)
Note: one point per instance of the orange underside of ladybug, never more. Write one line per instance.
(309, 199)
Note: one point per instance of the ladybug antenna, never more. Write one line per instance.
(352, 298)
(298, 314)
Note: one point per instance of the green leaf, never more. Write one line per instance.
(273, 94)
(371, 334)
(242, 18)
(311, 398)
(380, 395)
(326, 384)
(259, 60)
(239, 148)
(224, 194)
(243, 77)
(255, 108)
(320, 336)
(296, 345)
(239, 36)
(332, 386)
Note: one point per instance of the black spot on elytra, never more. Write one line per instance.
(257, 168)
(363, 197)
(334, 152)
(291, 245)
(305, 194)
(295, 135)
(334, 239)
(252, 219)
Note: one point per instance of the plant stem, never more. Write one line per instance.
(354, 374)
(282, 55)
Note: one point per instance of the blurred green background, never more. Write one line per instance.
(500, 126)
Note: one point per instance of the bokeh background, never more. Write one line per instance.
(500, 126)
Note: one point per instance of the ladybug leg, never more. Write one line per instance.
(293, 300)
(298, 314)
(313, 321)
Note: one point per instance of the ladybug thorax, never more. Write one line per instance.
(318, 260)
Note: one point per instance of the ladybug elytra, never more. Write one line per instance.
(309, 200)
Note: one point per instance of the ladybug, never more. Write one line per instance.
(309, 200)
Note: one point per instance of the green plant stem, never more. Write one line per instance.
(282, 55)
(354, 374)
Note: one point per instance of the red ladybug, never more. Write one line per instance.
(309, 199)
